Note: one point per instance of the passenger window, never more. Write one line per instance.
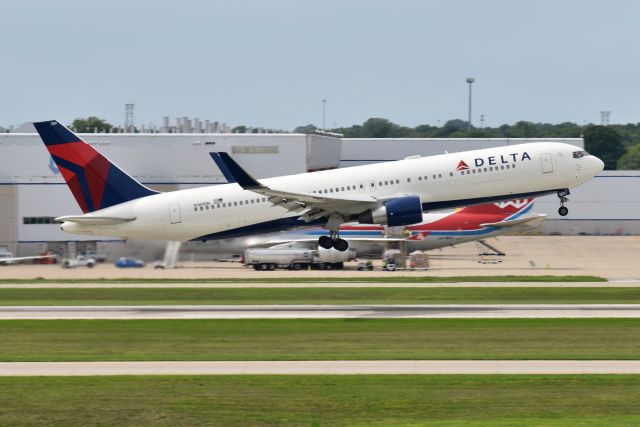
(419, 178)
(195, 208)
(513, 166)
(341, 188)
(439, 175)
(408, 179)
(434, 177)
(485, 169)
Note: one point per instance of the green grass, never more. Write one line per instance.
(268, 278)
(319, 339)
(346, 295)
(382, 400)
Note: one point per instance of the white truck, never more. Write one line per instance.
(79, 261)
(296, 259)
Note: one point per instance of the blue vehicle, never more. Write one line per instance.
(126, 262)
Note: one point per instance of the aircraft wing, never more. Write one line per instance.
(16, 260)
(530, 219)
(94, 220)
(313, 205)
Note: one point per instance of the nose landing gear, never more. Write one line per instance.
(562, 195)
(333, 241)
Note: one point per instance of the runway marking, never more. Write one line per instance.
(332, 367)
(487, 311)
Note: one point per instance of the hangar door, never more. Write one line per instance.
(547, 164)
(174, 213)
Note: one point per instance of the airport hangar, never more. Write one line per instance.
(32, 192)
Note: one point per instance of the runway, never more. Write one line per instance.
(487, 311)
(331, 367)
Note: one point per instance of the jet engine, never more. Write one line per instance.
(400, 211)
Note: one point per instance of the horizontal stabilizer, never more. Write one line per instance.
(94, 220)
(529, 219)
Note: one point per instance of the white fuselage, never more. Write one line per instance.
(493, 174)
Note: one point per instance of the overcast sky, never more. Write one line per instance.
(270, 63)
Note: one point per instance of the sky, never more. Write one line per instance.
(271, 63)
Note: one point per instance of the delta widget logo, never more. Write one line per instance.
(462, 166)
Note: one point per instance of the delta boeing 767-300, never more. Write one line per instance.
(393, 193)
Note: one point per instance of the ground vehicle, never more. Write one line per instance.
(365, 265)
(79, 261)
(296, 259)
(128, 262)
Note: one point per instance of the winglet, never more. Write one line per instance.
(223, 168)
(233, 172)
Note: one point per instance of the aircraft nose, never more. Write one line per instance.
(598, 165)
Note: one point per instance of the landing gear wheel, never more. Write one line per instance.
(341, 245)
(325, 242)
(562, 195)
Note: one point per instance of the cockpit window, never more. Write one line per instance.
(579, 154)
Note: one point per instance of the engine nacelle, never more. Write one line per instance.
(395, 212)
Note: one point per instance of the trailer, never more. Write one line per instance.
(269, 259)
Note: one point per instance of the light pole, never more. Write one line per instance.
(470, 80)
(324, 113)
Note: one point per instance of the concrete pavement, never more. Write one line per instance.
(471, 311)
(332, 367)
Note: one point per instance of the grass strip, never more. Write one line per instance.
(319, 339)
(274, 279)
(363, 400)
(230, 296)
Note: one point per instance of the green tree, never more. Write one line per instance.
(305, 129)
(239, 129)
(604, 142)
(90, 124)
(631, 159)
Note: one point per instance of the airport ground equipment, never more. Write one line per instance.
(79, 261)
(296, 259)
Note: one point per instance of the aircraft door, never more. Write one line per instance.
(546, 163)
(174, 214)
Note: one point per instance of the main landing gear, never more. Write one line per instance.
(562, 195)
(333, 241)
